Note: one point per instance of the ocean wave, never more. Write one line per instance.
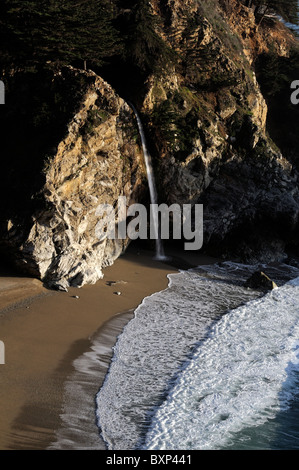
(154, 347)
(240, 377)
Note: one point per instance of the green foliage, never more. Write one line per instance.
(203, 62)
(37, 31)
(276, 73)
(287, 9)
(95, 117)
(122, 34)
(140, 30)
(210, 10)
(177, 125)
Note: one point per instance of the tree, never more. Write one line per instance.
(85, 30)
(63, 31)
(287, 9)
(140, 28)
(21, 28)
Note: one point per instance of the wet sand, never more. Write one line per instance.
(45, 331)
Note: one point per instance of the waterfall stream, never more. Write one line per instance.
(160, 255)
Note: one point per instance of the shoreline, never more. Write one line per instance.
(79, 430)
(46, 331)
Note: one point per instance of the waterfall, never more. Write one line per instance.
(160, 255)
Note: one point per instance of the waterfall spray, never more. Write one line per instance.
(160, 255)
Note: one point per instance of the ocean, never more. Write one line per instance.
(205, 364)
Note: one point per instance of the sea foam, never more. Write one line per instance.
(240, 377)
(154, 347)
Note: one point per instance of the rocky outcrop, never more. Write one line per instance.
(209, 121)
(260, 280)
(96, 161)
(255, 38)
(206, 123)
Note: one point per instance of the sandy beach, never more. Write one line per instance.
(45, 331)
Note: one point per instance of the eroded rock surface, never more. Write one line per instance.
(206, 123)
(97, 161)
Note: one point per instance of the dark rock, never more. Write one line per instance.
(260, 280)
(49, 227)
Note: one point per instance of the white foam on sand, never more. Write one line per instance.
(154, 346)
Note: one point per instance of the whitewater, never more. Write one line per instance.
(203, 364)
(240, 377)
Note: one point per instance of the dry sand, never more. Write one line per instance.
(44, 331)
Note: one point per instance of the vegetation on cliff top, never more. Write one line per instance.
(126, 41)
(287, 9)
(275, 74)
(34, 32)
(203, 108)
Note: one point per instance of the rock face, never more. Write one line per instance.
(260, 280)
(95, 162)
(206, 122)
(208, 119)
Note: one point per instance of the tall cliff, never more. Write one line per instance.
(57, 174)
(209, 119)
(71, 143)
